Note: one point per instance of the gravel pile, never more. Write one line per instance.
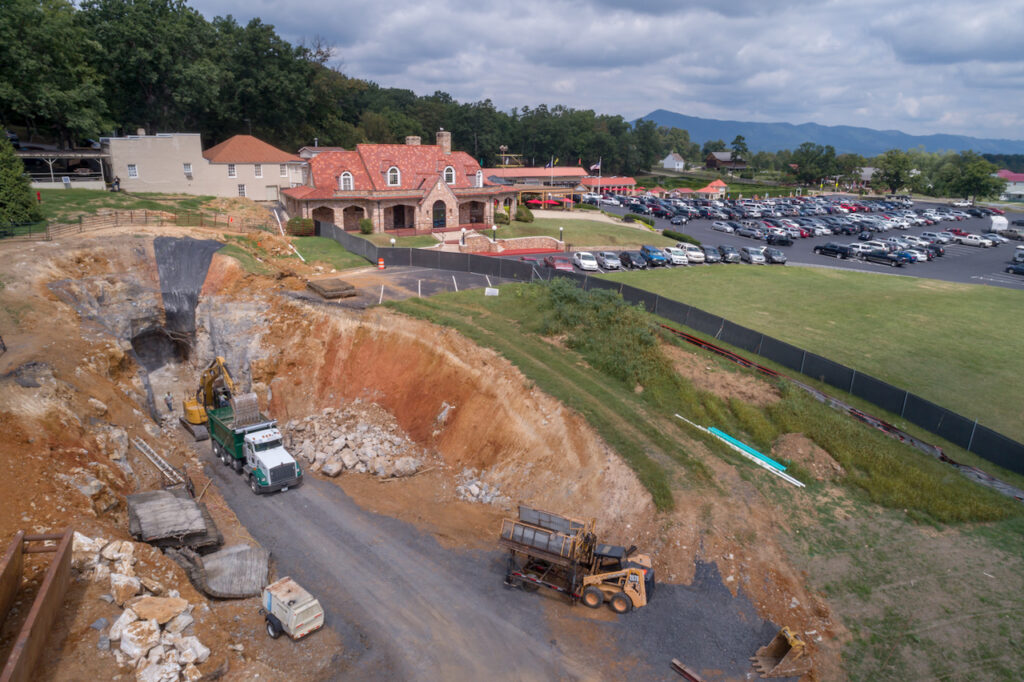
(359, 437)
(472, 488)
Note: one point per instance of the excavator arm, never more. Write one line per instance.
(215, 390)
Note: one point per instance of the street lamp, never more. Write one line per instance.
(560, 233)
(494, 233)
(392, 242)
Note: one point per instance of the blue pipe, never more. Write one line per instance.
(746, 448)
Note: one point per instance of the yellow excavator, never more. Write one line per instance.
(215, 390)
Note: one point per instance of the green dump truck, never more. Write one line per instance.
(250, 443)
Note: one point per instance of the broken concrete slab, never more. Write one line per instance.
(332, 288)
(235, 572)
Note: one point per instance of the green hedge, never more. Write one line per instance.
(500, 218)
(672, 234)
(366, 226)
(301, 227)
(524, 215)
(646, 220)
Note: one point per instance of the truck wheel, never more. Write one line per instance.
(620, 603)
(236, 464)
(273, 630)
(593, 597)
(254, 486)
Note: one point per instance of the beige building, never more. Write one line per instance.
(175, 163)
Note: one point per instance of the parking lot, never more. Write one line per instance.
(961, 263)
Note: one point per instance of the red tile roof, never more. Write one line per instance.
(608, 181)
(1010, 176)
(247, 149)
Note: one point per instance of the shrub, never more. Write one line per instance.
(301, 227)
(587, 207)
(672, 234)
(366, 226)
(747, 175)
(501, 218)
(630, 217)
(524, 215)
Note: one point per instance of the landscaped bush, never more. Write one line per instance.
(366, 226)
(524, 215)
(631, 217)
(672, 234)
(588, 207)
(301, 227)
(501, 218)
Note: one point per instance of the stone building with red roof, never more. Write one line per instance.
(241, 166)
(401, 188)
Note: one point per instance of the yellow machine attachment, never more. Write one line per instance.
(785, 656)
(215, 390)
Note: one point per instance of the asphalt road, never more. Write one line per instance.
(407, 608)
(967, 264)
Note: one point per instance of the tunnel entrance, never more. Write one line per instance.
(157, 347)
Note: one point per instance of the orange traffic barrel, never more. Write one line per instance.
(380, 263)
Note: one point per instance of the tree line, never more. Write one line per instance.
(76, 71)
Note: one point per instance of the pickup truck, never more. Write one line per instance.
(250, 443)
(653, 255)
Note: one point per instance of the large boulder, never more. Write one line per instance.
(139, 637)
(123, 587)
(126, 618)
(160, 609)
(333, 466)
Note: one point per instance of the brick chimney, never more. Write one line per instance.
(412, 140)
(444, 141)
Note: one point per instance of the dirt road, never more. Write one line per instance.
(405, 607)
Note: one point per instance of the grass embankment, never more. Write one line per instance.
(583, 233)
(65, 205)
(955, 344)
(628, 390)
(328, 252)
(413, 242)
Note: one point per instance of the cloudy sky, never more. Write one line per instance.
(919, 66)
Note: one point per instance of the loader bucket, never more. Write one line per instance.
(784, 656)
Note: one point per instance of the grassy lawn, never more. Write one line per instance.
(954, 344)
(63, 205)
(414, 242)
(328, 252)
(585, 233)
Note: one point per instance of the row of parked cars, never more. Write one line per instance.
(683, 253)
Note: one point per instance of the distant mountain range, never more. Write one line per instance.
(845, 139)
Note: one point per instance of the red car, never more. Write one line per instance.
(997, 211)
(558, 263)
(958, 232)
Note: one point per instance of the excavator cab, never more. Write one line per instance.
(215, 390)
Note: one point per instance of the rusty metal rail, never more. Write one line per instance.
(33, 635)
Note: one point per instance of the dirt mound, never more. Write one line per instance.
(798, 448)
(722, 382)
(466, 402)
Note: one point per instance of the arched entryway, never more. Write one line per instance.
(471, 212)
(323, 214)
(351, 217)
(402, 216)
(440, 215)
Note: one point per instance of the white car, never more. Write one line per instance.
(584, 260)
(694, 253)
(722, 227)
(936, 237)
(973, 240)
(860, 247)
(947, 236)
(962, 203)
(609, 201)
(609, 260)
(676, 256)
(753, 255)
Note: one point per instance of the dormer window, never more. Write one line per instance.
(479, 178)
(345, 181)
(449, 176)
(394, 177)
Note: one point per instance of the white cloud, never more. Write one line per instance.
(945, 66)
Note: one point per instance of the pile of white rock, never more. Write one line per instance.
(337, 439)
(472, 488)
(153, 632)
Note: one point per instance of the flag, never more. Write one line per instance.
(579, 161)
(556, 160)
(596, 166)
(550, 163)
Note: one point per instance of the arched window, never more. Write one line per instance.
(449, 176)
(345, 181)
(479, 178)
(394, 177)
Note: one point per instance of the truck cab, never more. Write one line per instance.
(269, 466)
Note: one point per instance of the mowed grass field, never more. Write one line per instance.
(958, 345)
(584, 233)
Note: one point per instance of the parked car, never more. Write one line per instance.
(653, 255)
(883, 257)
(752, 255)
(833, 249)
(675, 255)
(779, 240)
(973, 240)
(610, 201)
(711, 255)
(632, 260)
(558, 263)
(608, 260)
(996, 238)
(694, 253)
(857, 249)
(722, 226)
(1015, 268)
(728, 253)
(584, 260)
(752, 232)
(774, 256)
(679, 220)
(935, 250)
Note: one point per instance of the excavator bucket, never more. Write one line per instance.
(785, 656)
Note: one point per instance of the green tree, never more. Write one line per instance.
(849, 167)
(648, 144)
(712, 146)
(739, 147)
(970, 175)
(814, 163)
(892, 170)
(17, 205)
(46, 80)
